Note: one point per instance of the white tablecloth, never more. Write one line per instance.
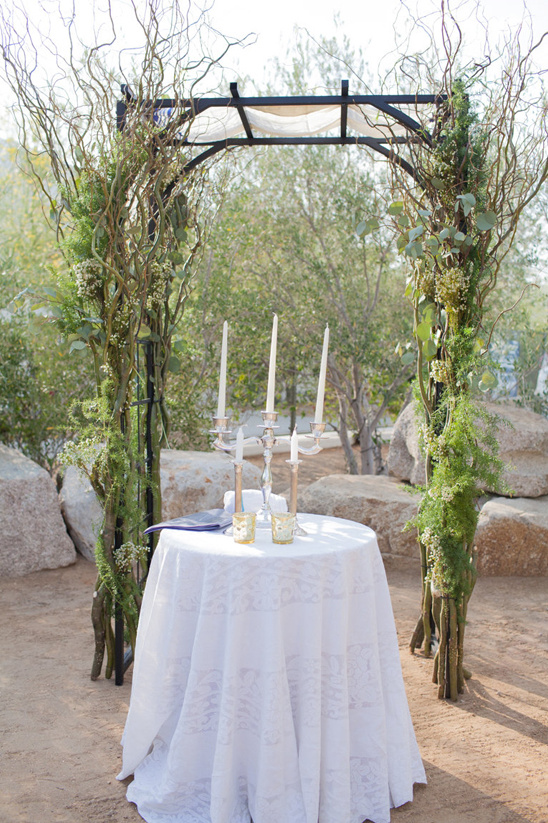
(267, 683)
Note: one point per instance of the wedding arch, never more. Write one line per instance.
(383, 123)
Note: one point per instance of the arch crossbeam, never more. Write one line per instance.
(211, 124)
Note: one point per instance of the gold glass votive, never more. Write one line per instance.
(283, 524)
(243, 527)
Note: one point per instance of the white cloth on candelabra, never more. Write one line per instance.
(253, 500)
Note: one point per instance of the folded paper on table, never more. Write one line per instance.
(201, 521)
(253, 500)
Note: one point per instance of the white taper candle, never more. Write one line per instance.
(318, 415)
(294, 447)
(240, 446)
(221, 401)
(272, 367)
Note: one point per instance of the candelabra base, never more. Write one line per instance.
(298, 530)
(264, 519)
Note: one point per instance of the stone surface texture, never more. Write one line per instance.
(405, 460)
(32, 532)
(523, 444)
(81, 510)
(195, 481)
(512, 537)
(376, 501)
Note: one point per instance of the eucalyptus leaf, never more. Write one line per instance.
(430, 349)
(144, 331)
(460, 237)
(395, 208)
(174, 364)
(85, 330)
(486, 220)
(408, 358)
(401, 242)
(77, 345)
(444, 234)
(438, 183)
(429, 314)
(360, 228)
(416, 232)
(423, 330)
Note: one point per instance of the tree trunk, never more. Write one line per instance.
(345, 438)
(367, 455)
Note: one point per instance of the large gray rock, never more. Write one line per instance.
(405, 460)
(81, 510)
(523, 446)
(512, 537)
(195, 481)
(375, 501)
(32, 531)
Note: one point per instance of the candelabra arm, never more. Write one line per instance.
(221, 429)
(317, 430)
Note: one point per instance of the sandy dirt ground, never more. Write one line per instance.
(486, 757)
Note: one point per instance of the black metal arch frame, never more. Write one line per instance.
(386, 103)
(189, 109)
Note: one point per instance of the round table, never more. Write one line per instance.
(267, 683)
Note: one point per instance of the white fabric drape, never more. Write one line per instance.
(217, 124)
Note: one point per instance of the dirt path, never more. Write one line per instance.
(486, 757)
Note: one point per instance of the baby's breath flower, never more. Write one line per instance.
(127, 554)
(89, 278)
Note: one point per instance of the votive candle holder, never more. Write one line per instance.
(243, 527)
(283, 524)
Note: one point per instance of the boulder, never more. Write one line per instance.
(32, 532)
(376, 501)
(523, 446)
(81, 510)
(405, 460)
(512, 537)
(194, 481)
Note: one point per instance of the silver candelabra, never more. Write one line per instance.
(221, 430)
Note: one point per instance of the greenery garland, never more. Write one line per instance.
(445, 232)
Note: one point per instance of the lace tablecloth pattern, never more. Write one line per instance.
(267, 684)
